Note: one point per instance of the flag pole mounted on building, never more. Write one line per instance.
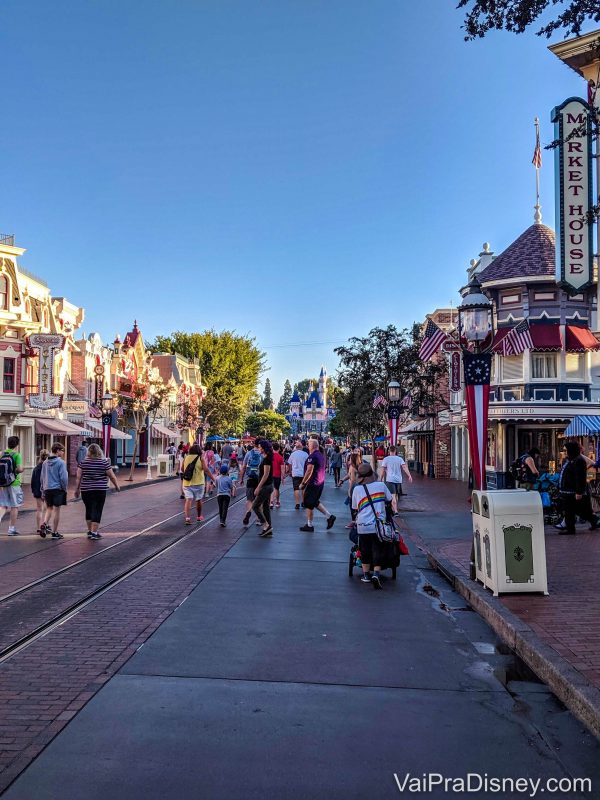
(537, 163)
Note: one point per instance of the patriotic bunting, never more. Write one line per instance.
(477, 368)
(393, 418)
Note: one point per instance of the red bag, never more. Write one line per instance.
(402, 547)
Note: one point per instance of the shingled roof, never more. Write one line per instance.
(531, 255)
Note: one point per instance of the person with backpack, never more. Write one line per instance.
(264, 489)
(36, 490)
(574, 490)
(226, 489)
(371, 498)
(250, 469)
(524, 469)
(55, 482)
(195, 469)
(11, 493)
(82, 452)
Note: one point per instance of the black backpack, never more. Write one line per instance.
(188, 472)
(518, 469)
(8, 469)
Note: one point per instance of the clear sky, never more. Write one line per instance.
(300, 170)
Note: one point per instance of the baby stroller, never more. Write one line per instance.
(391, 562)
(547, 486)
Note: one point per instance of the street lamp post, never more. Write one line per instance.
(107, 404)
(475, 335)
(393, 396)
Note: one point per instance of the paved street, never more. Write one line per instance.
(279, 676)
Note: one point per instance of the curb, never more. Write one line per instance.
(569, 685)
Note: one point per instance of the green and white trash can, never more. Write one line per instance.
(508, 540)
(164, 466)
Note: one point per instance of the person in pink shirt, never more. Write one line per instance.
(278, 467)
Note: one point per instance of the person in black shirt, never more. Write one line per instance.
(262, 493)
(574, 489)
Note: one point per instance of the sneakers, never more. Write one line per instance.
(94, 536)
(223, 524)
(365, 578)
(43, 530)
(246, 519)
(271, 505)
(57, 535)
(265, 534)
(297, 506)
(277, 505)
(13, 532)
(330, 521)
(200, 519)
(188, 521)
(307, 529)
(376, 581)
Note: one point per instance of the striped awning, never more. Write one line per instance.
(584, 425)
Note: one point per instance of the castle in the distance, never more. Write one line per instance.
(311, 413)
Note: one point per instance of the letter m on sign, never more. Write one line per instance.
(574, 231)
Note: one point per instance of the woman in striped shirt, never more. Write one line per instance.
(93, 475)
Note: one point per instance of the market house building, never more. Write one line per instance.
(534, 395)
(183, 415)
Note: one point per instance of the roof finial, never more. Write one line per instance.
(537, 163)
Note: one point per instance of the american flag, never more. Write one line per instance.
(537, 153)
(120, 411)
(406, 401)
(517, 340)
(95, 411)
(379, 401)
(433, 339)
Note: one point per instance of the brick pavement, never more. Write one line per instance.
(43, 686)
(568, 620)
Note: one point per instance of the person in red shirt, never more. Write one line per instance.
(278, 464)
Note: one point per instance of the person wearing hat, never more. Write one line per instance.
(369, 497)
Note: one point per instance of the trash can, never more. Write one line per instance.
(164, 466)
(508, 539)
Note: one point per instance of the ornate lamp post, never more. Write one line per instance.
(393, 396)
(107, 405)
(475, 334)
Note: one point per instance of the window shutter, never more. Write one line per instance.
(512, 368)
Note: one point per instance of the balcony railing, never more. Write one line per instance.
(7, 238)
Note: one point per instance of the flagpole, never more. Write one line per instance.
(538, 213)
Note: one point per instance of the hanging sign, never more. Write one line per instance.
(573, 168)
(455, 372)
(45, 346)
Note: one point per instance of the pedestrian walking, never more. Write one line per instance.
(392, 468)
(11, 492)
(369, 498)
(264, 488)
(226, 452)
(36, 490)
(93, 475)
(278, 467)
(82, 451)
(195, 469)
(352, 478)
(336, 465)
(171, 451)
(295, 467)
(55, 482)
(574, 490)
(181, 454)
(250, 471)
(225, 491)
(313, 483)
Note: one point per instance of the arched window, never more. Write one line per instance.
(4, 293)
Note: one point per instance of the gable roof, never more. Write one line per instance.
(314, 395)
(530, 255)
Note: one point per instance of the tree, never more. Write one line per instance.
(517, 15)
(284, 401)
(267, 423)
(267, 398)
(141, 406)
(230, 366)
(368, 364)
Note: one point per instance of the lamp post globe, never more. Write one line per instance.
(475, 314)
(393, 392)
(107, 402)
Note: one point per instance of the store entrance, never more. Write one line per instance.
(546, 441)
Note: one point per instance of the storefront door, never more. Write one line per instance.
(545, 439)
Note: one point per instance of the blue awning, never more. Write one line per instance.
(584, 425)
(215, 438)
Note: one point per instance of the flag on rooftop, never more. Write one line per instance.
(433, 338)
(537, 153)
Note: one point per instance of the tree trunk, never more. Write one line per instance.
(133, 457)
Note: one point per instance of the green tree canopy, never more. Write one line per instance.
(230, 365)
(267, 423)
(516, 16)
(267, 398)
(284, 400)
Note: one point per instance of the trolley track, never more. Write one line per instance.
(54, 601)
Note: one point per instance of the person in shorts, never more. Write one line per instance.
(55, 482)
(371, 551)
(36, 490)
(313, 483)
(250, 471)
(392, 468)
(295, 467)
(193, 488)
(278, 467)
(11, 497)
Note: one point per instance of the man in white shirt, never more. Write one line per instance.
(392, 468)
(295, 467)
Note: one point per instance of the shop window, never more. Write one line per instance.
(3, 292)
(576, 394)
(8, 376)
(512, 368)
(574, 366)
(543, 366)
(544, 394)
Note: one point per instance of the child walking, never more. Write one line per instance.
(225, 491)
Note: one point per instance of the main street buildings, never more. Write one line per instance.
(53, 392)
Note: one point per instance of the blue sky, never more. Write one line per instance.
(300, 170)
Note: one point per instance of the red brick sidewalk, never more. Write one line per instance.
(568, 620)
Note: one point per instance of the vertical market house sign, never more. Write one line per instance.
(45, 345)
(573, 170)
